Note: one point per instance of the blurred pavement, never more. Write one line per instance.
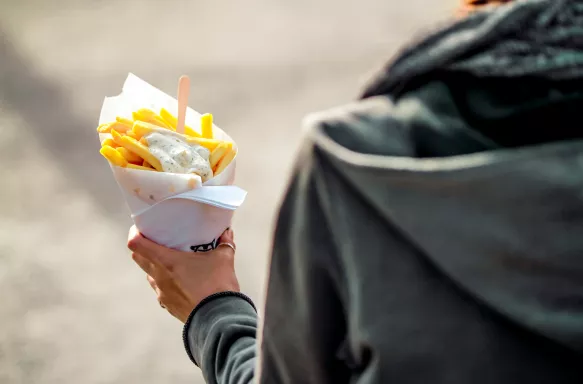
(74, 309)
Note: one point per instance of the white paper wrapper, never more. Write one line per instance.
(175, 210)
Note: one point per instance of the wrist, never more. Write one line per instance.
(195, 321)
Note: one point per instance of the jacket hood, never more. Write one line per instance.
(538, 38)
(505, 223)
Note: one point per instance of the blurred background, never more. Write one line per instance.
(73, 306)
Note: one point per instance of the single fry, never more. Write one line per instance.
(217, 154)
(168, 118)
(157, 120)
(139, 149)
(206, 125)
(136, 135)
(149, 116)
(130, 156)
(191, 132)
(132, 135)
(134, 166)
(136, 116)
(106, 128)
(171, 120)
(142, 128)
(115, 135)
(124, 121)
(109, 141)
(143, 113)
(225, 161)
(113, 156)
(120, 127)
(102, 128)
(209, 144)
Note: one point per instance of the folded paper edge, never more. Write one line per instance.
(188, 196)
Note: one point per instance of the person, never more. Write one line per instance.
(431, 232)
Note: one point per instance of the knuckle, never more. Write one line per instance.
(169, 267)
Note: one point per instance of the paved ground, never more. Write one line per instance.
(73, 307)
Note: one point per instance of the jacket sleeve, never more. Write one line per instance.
(304, 322)
(219, 337)
(304, 318)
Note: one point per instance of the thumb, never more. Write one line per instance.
(153, 252)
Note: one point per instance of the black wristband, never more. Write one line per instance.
(204, 301)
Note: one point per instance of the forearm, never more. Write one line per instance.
(220, 338)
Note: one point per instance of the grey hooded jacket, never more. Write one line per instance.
(432, 232)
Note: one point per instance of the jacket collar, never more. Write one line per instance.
(541, 38)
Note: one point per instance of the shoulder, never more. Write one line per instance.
(372, 126)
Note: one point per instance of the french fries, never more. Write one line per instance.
(173, 121)
(209, 144)
(130, 156)
(217, 154)
(139, 149)
(132, 135)
(149, 116)
(142, 128)
(141, 168)
(226, 160)
(109, 141)
(124, 121)
(168, 118)
(206, 125)
(120, 127)
(128, 147)
(143, 114)
(113, 156)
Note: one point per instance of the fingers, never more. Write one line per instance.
(133, 237)
(152, 283)
(136, 242)
(143, 263)
(146, 252)
(151, 251)
(229, 247)
(156, 289)
(227, 237)
(227, 243)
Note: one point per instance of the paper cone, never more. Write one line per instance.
(174, 210)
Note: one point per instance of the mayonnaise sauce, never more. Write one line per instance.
(178, 156)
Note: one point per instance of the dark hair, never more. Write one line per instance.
(468, 6)
(480, 3)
